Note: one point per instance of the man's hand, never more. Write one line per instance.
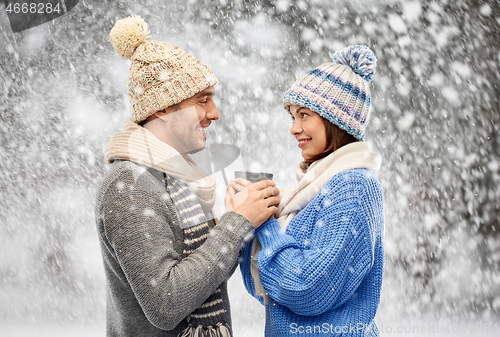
(256, 202)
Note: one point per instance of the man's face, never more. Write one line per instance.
(186, 123)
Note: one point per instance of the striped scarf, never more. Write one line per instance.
(139, 145)
(207, 320)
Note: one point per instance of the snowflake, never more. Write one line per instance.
(120, 185)
(138, 90)
(325, 190)
(148, 212)
(164, 76)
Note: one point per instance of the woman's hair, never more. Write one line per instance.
(335, 139)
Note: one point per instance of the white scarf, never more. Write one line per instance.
(139, 145)
(310, 182)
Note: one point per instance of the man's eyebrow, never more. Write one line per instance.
(206, 93)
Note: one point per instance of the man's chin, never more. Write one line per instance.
(197, 148)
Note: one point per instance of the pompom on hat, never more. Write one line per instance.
(338, 91)
(161, 74)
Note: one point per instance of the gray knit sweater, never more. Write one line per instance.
(150, 287)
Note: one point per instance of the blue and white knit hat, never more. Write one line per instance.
(338, 91)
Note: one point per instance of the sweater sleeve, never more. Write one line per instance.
(139, 227)
(320, 265)
(245, 265)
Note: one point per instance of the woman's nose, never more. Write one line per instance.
(296, 127)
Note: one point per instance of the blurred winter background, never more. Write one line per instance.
(435, 120)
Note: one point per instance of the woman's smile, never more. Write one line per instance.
(309, 130)
(303, 142)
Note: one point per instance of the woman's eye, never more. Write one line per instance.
(303, 114)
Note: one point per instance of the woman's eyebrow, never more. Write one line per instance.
(296, 112)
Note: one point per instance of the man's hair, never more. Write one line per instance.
(174, 108)
(335, 139)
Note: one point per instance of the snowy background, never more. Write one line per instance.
(435, 120)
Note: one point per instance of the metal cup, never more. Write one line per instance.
(253, 177)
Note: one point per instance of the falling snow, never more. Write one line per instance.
(435, 119)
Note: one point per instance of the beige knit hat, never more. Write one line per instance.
(161, 74)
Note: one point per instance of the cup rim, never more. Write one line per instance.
(253, 174)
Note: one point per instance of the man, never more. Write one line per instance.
(166, 259)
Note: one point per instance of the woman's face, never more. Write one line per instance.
(309, 130)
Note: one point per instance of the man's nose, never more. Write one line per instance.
(213, 112)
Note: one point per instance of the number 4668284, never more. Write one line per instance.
(39, 8)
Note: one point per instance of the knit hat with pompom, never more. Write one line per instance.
(338, 91)
(161, 74)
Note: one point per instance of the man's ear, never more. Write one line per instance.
(166, 111)
(160, 113)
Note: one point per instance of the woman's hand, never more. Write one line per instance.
(256, 202)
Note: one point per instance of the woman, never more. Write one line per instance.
(321, 265)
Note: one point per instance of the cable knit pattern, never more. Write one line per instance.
(160, 74)
(324, 274)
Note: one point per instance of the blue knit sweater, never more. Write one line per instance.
(324, 274)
